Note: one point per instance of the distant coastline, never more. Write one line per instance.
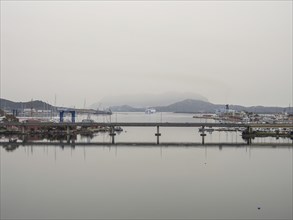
(189, 106)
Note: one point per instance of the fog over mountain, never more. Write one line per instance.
(146, 99)
(229, 51)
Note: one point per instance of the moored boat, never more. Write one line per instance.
(150, 111)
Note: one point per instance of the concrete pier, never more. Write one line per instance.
(112, 134)
(158, 134)
(68, 128)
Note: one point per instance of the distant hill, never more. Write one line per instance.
(126, 108)
(185, 106)
(198, 106)
(145, 100)
(37, 104)
(261, 109)
(188, 105)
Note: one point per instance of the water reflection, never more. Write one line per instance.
(165, 135)
(157, 181)
(10, 147)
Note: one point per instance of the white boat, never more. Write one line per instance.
(150, 111)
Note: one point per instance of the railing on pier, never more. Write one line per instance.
(151, 124)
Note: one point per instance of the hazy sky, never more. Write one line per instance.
(230, 52)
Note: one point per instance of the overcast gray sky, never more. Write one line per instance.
(230, 52)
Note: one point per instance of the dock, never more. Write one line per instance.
(69, 128)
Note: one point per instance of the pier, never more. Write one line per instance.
(69, 128)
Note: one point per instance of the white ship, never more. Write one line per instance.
(150, 111)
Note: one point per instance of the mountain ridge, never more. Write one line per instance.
(147, 99)
(184, 106)
(199, 106)
(36, 104)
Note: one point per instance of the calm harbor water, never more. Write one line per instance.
(150, 182)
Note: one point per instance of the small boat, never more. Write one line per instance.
(118, 129)
(12, 140)
(150, 111)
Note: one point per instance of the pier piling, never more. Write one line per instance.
(202, 135)
(158, 134)
(112, 134)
